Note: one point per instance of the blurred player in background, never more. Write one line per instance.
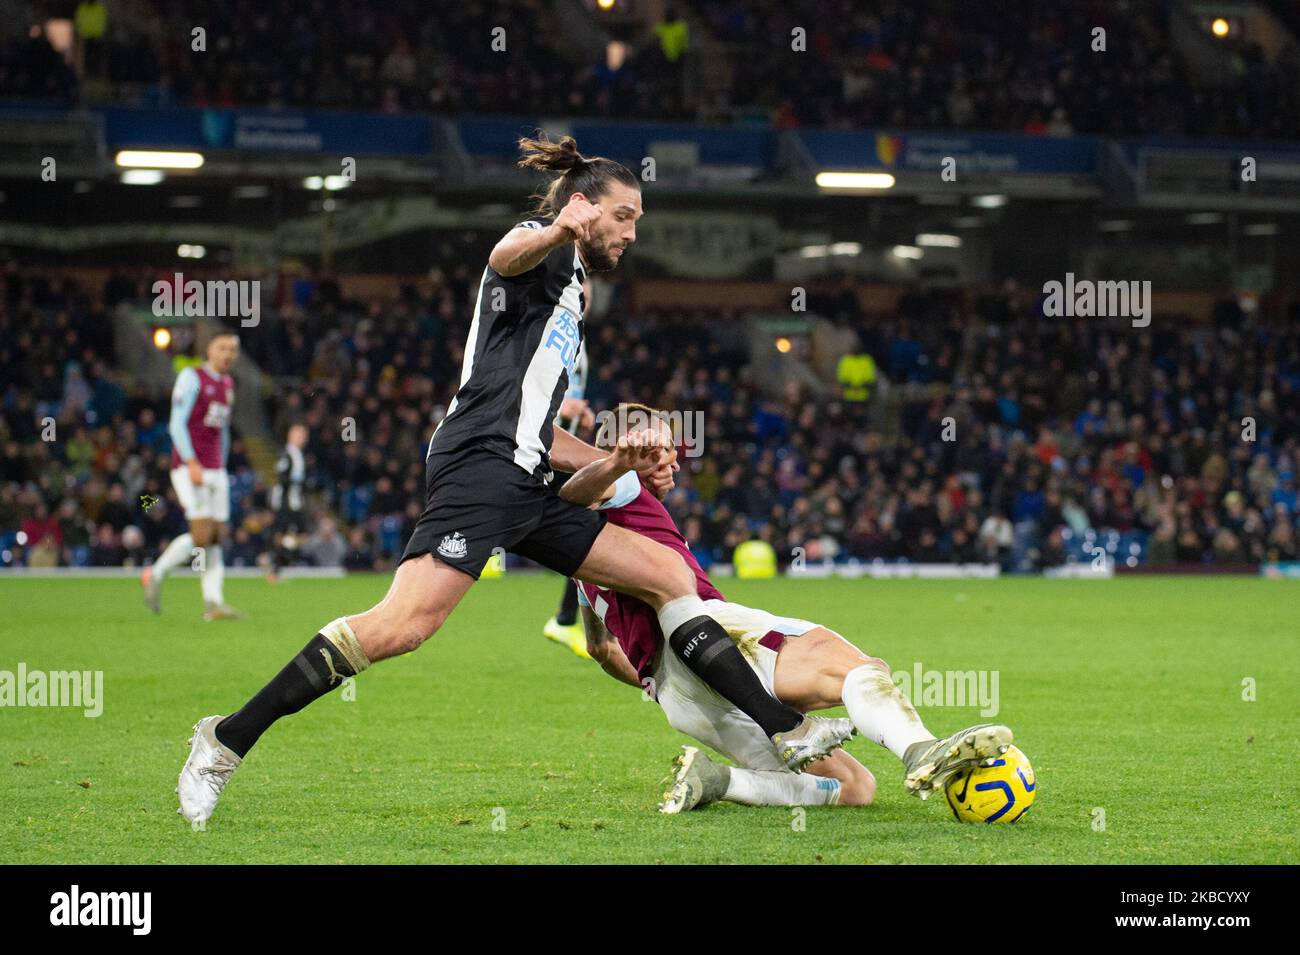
(200, 432)
(575, 417)
(287, 500)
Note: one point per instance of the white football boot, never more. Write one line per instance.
(697, 781)
(931, 763)
(219, 611)
(152, 584)
(206, 772)
(811, 740)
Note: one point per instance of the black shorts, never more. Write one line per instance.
(289, 521)
(477, 502)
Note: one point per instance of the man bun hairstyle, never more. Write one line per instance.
(571, 172)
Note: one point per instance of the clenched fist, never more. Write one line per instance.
(577, 217)
(642, 450)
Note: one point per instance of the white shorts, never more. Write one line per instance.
(210, 500)
(694, 708)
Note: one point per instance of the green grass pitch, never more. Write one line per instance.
(1127, 695)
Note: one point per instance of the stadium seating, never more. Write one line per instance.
(950, 65)
(1052, 462)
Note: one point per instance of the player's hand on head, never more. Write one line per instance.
(636, 450)
(625, 452)
(654, 460)
(577, 217)
(660, 452)
(651, 450)
(659, 480)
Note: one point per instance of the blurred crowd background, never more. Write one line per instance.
(1065, 430)
(942, 64)
(981, 431)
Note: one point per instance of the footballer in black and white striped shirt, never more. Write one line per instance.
(487, 471)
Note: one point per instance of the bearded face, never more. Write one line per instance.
(601, 254)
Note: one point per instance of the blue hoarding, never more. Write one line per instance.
(925, 152)
(256, 130)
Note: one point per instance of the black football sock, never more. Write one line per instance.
(704, 646)
(316, 670)
(568, 614)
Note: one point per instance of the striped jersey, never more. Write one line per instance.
(577, 388)
(290, 474)
(523, 345)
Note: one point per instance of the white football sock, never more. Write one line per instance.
(177, 553)
(676, 612)
(880, 711)
(214, 574)
(753, 787)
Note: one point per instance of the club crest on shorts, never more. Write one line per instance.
(453, 545)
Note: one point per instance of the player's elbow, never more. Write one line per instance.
(576, 496)
(598, 650)
(501, 261)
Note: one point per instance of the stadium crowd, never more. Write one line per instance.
(1065, 431)
(1027, 67)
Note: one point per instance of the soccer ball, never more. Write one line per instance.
(1000, 789)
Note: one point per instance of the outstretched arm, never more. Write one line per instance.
(571, 454)
(602, 483)
(593, 483)
(640, 451)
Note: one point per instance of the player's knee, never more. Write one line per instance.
(845, 657)
(875, 662)
(388, 635)
(859, 789)
(834, 673)
(835, 657)
(411, 634)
